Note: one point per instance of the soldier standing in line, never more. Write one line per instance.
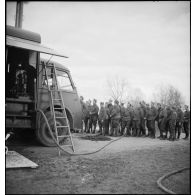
(136, 121)
(101, 118)
(107, 119)
(130, 109)
(179, 122)
(172, 117)
(163, 122)
(186, 122)
(115, 118)
(90, 117)
(151, 116)
(146, 120)
(122, 113)
(159, 109)
(94, 115)
(83, 109)
(142, 119)
(86, 116)
(126, 121)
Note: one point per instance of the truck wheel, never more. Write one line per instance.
(43, 133)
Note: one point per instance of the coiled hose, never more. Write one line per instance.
(166, 176)
(66, 152)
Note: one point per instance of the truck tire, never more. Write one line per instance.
(43, 134)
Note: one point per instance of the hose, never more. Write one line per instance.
(73, 154)
(166, 176)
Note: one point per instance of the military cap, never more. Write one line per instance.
(116, 101)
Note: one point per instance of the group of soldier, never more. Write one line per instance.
(135, 120)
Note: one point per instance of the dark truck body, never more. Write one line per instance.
(25, 89)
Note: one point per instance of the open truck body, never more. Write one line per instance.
(27, 86)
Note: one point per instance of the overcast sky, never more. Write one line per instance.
(146, 43)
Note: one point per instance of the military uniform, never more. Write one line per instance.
(107, 120)
(90, 118)
(122, 113)
(86, 117)
(109, 111)
(179, 123)
(172, 117)
(142, 120)
(83, 107)
(126, 121)
(136, 121)
(162, 120)
(115, 120)
(94, 117)
(186, 123)
(151, 116)
(101, 120)
(158, 121)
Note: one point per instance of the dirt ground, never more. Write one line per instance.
(130, 165)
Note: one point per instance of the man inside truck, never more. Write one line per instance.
(20, 74)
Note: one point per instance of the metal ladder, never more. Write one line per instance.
(59, 99)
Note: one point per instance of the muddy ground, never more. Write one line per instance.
(129, 165)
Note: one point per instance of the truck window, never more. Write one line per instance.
(64, 80)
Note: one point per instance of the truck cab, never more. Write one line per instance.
(27, 87)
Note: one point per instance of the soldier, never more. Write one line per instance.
(115, 118)
(186, 122)
(159, 109)
(172, 117)
(151, 116)
(94, 115)
(136, 116)
(101, 118)
(83, 109)
(122, 112)
(146, 120)
(179, 122)
(86, 116)
(162, 119)
(107, 119)
(90, 117)
(142, 118)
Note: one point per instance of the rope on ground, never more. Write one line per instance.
(66, 152)
(159, 181)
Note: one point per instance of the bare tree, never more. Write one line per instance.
(169, 95)
(136, 95)
(118, 88)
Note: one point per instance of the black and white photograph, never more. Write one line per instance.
(97, 97)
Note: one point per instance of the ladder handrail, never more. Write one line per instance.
(52, 95)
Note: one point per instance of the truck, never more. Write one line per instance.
(27, 86)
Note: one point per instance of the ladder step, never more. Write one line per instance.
(61, 126)
(68, 145)
(58, 108)
(63, 135)
(55, 90)
(57, 99)
(61, 117)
